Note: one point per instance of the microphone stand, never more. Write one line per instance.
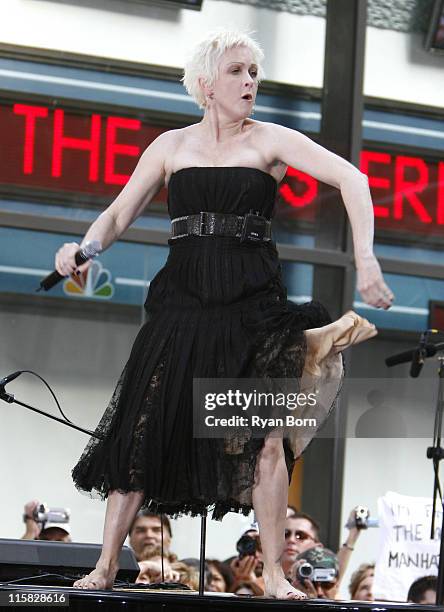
(9, 398)
(436, 453)
(419, 354)
(203, 537)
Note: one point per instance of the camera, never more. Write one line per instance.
(44, 514)
(316, 574)
(362, 519)
(246, 546)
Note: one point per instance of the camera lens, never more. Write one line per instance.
(305, 570)
(246, 546)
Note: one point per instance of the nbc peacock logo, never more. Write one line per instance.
(95, 282)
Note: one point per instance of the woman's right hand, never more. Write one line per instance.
(65, 262)
(371, 284)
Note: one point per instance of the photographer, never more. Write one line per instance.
(247, 567)
(301, 533)
(38, 527)
(358, 520)
(315, 572)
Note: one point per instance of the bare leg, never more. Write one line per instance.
(270, 498)
(270, 492)
(121, 510)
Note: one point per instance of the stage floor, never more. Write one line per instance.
(137, 598)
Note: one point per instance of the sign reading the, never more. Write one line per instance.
(406, 551)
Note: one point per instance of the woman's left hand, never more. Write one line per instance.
(370, 283)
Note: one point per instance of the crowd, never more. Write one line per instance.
(307, 563)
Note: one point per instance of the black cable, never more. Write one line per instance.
(167, 586)
(7, 397)
(161, 546)
(50, 390)
(437, 444)
(121, 583)
(117, 583)
(436, 468)
(435, 451)
(17, 580)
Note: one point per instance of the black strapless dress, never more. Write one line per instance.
(218, 308)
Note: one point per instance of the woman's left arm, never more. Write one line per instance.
(297, 150)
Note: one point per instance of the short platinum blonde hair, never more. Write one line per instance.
(203, 60)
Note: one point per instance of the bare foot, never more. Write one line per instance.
(278, 587)
(362, 330)
(98, 579)
(334, 338)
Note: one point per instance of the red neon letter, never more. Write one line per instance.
(298, 201)
(31, 113)
(440, 194)
(84, 144)
(408, 189)
(113, 148)
(368, 157)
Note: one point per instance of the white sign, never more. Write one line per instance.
(406, 551)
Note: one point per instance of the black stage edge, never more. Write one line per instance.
(83, 600)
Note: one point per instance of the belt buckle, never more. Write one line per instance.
(254, 227)
(202, 223)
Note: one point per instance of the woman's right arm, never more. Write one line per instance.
(146, 180)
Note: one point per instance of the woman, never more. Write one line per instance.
(219, 577)
(218, 308)
(361, 583)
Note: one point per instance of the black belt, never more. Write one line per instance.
(250, 227)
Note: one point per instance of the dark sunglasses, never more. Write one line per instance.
(298, 534)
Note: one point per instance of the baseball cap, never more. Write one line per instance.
(65, 526)
(320, 557)
(253, 527)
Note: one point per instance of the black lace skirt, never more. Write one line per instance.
(217, 313)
